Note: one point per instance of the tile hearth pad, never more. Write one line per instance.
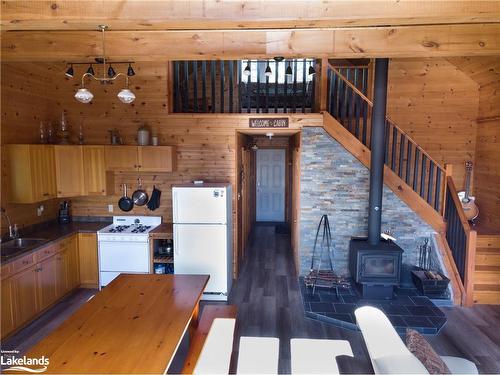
(407, 310)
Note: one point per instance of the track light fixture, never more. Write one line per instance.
(130, 71)
(70, 72)
(247, 70)
(83, 95)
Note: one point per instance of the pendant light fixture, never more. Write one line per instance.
(247, 70)
(288, 70)
(268, 71)
(83, 95)
(311, 70)
(70, 72)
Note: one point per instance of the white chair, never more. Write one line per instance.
(389, 354)
(215, 355)
(311, 356)
(258, 355)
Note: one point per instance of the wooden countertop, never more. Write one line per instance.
(134, 325)
(164, 230)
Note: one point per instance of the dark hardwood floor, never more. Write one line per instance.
(269, 304)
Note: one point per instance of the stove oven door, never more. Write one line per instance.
(117, 257)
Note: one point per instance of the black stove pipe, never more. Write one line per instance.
(377, 151)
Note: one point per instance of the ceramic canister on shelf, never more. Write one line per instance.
(143, 136)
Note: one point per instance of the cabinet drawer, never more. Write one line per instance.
(46, 252)
(21, 263)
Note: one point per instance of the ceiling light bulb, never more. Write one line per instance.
(130, 71)
(69, 73)
(126, 96)
(270, 135)
(288, 71)
(247, 71)
(312, 70)
(83, 95)
(90, 70)
(268, 72)
(111, 72)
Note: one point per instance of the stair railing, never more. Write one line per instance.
(461, 239)
(350, 107)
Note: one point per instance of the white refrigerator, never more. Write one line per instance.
(202, 217)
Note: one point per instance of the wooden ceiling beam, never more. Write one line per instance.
(402, 41)
(239, 14)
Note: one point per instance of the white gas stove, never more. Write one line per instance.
(124, 246)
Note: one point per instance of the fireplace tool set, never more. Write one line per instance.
(324, 278)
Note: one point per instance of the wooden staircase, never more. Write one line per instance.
(487, 270)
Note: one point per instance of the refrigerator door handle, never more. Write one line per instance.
(175, 206)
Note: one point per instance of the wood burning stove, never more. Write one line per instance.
(376, 269)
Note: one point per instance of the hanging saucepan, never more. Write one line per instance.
(125, 203)
(140, 196)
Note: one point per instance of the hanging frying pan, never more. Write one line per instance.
(140, 197)
(125, 203)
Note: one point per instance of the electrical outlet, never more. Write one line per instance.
(110, 208)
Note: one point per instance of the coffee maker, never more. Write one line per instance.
(64, 217)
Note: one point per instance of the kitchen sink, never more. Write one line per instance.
(18, 245)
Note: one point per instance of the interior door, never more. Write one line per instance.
(270, 185)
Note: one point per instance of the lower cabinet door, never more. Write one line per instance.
(48, 277)
(7, 307)
(24, 295)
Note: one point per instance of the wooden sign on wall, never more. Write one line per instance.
(268, 122)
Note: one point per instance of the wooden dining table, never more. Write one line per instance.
(134, 325)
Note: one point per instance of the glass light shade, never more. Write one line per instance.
(126, 96)
(84, 95)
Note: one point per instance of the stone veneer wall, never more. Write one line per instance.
(335, 183)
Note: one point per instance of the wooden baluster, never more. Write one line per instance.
(304, 77)
(357, 104)
(437, 190)
(231, 78)
(222, 84)
(422, 177)
(415, 168)
(313, 88)
(185, 104)
(266, 87)
(238, 79)
(364, 106)
(408, 162)
(204, 85)
(348, 100)
(195, 86)
(294, 97)
(429, 182)
(177, 89)
(212, 81)
(336, 89)
(387, 135)
(402, 139)
(258, 87)
(394, 145)
(276, 102)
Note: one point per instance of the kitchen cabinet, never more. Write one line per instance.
(156, 158)
(121, 158)
(140, 158)
(48, 279)
(94, 170)
(69, 170)
(68, 269)
(24, 295)
(31, 171)
(87, 254)
(7, 308)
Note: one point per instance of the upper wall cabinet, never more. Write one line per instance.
(140, 158)
(31, 173)
(69, 170)
(94, 170)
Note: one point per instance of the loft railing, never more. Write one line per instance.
(352, 108)
(461, 239)
(228, 87)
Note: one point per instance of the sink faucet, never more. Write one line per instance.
(12, 228)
